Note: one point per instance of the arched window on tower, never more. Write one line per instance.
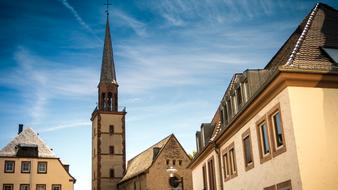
(110, 101)
(115, 103)
(103, 101)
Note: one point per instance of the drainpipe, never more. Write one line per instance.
(218, 152)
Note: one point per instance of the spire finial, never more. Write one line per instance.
(107, 7)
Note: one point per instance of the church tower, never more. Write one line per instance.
(108, 125)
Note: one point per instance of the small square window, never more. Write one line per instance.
(42, 167)
(25, 167)
(167, 162)
(9, 166)
(111, 129)
(112, 173)
(56, 187)
(174, 162)
(111, 150)
(41, 187)
(7, 186)
(24, 187)
(180, 162)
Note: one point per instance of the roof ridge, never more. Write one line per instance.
(302, 36)
(133, 169)
(152, 146)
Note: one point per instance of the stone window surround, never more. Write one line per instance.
(231, 162)
(247, 165)
(276, 150)
(268, 119)
(211, 173)
(204, 173)
(263, 157)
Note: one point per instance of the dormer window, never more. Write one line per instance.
(229, 107)
(332, 53)
(225, 114)
(239, 96)
(222, 117)
(27, 150)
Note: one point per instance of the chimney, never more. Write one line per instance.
(20, 128)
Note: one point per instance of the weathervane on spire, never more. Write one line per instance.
(107, 7)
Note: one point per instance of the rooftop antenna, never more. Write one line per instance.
(107, 7)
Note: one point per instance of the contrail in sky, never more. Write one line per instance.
(78, 18)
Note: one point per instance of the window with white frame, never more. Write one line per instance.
(25, 167)
(24, 187)
(9, 166)
(42, 167)
(41, 187)
(56, 187)
(7, 187)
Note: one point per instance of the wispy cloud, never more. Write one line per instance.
(138, 27)
(67, 126)
(79, 18)
(40, 81)
(156, 66)
(185, 12)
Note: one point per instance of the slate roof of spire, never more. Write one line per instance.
(27, 137)
(108, 67)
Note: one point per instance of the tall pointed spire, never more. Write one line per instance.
(108, 67)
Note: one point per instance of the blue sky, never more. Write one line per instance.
(174, 60)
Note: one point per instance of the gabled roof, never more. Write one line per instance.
(144, 160)
(108, 67)
(30, 138)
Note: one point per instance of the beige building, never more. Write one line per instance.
(148, 170)
(108, 125)
(276, 128)
(28, 163)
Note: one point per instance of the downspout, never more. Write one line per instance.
(218, 152)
